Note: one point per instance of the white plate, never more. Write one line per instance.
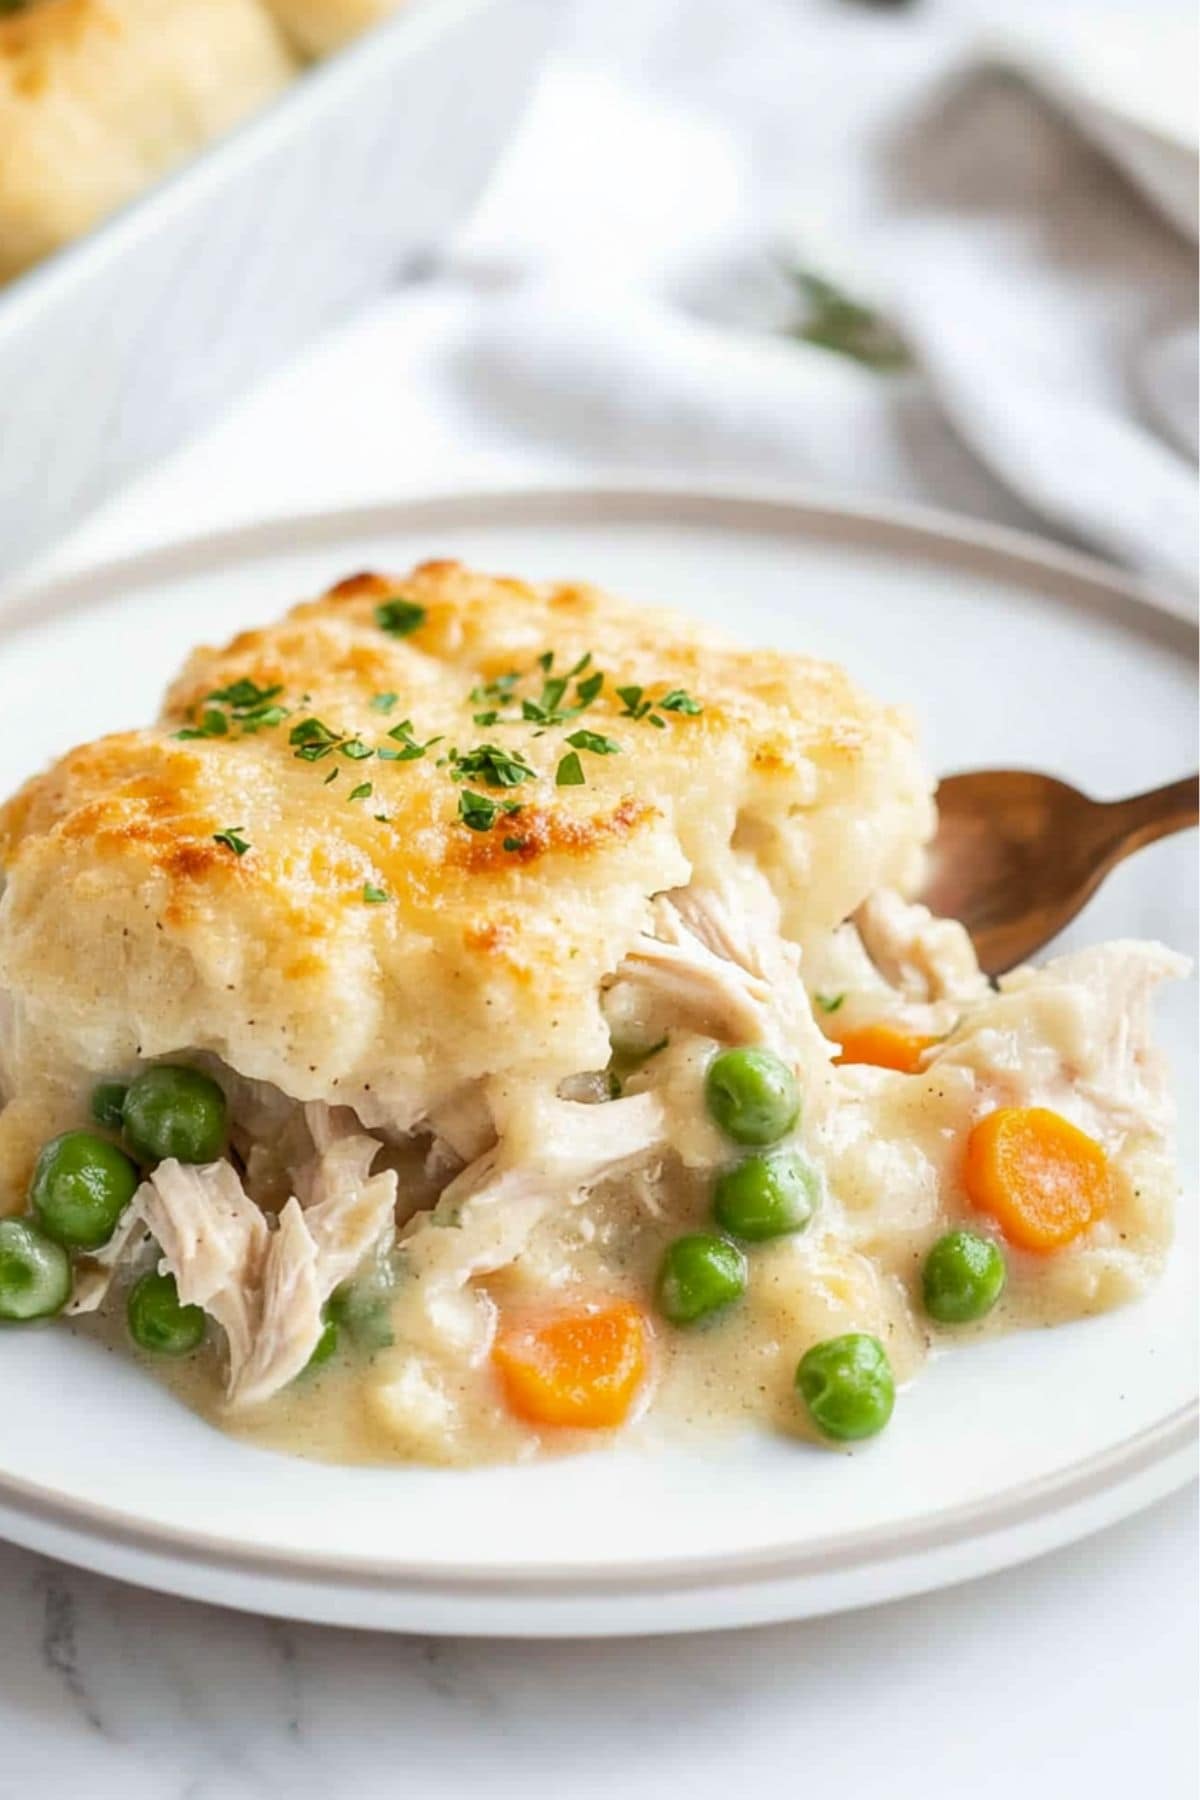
(1011, 652)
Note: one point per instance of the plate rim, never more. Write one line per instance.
(1077, 577)
(1118, 1473)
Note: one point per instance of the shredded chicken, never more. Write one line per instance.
(1076, 1033)
(922, 957)
(213, 1240)
(93, 1275)
(485, 1216)
(347, 1214)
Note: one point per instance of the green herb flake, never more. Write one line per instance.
(499, 688)
(356, 750)
(363, 791)
(261, 718)
(659, 724)
(244, 695)
(635, 706)
(383, 702)
(514, 843)
(410, 749)
(232, 840)
(593, 741)
(570, 772)
(679, 701)
(580, 666)
(399, 617)
(332, 776)
(586, 691)
(476, 811)
(374, 896)
(497, 767)
(829, 1003)
(312, 731)
(833, 321)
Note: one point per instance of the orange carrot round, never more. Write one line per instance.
(581, 1368)
(1042, 1179)
(886, 1046)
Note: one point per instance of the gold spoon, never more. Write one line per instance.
(1018, 854)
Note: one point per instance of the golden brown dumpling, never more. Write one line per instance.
(100, 97)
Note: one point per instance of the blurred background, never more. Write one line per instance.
(939, 252)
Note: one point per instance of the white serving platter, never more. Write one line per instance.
(1011, 652)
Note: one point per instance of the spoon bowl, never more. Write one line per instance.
(1018, 854)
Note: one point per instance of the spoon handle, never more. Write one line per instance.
(1145, 818)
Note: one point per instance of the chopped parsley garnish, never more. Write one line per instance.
(498, 768)
(384, 702)
(514, 843)
(499, 688)
(410, 749)
(374, 895)
(593, 741)
(332, 776)
(231, 840)
(476, 811)
(551, 707)
(638, 707)
(399, 617)
(362, 792)
(261, 717)
(829, 1003)
(356, 750)
(570, 771)
(244, 695)
(679, 701)
(312, 731)
(249, 707)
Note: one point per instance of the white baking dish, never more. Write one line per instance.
(117, 347)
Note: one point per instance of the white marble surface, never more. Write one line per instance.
(1076, 1674)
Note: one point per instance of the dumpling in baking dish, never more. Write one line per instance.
(98, 98)
(319, 26)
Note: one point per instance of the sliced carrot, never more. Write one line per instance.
(886, 1046)
(581, 1368)
(1042, 1179)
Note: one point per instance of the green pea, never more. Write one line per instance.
(108, 1102)
(700, 1274)
(752, 1095)
(158, 1319)
(325, 1345)
(963, 1278)
(847, 1385)
(35, 1272)
(81, 1185)
(175, 1111)
(767, 1196)
(363, 1308)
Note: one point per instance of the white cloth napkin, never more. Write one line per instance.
(618, 302)
(1048, 304)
